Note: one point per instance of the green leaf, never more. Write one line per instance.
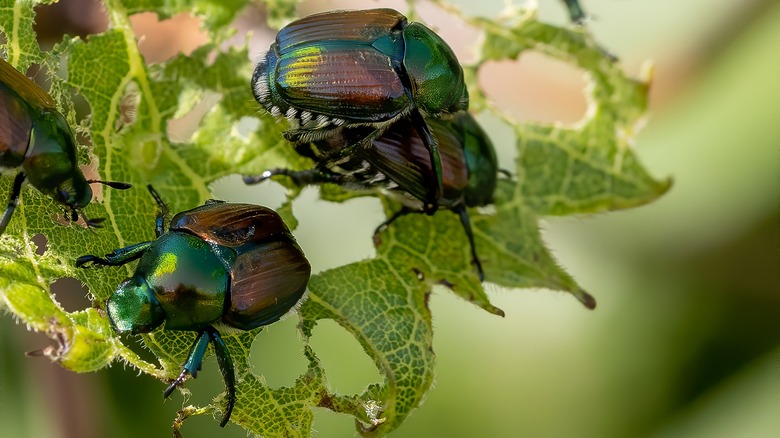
(382, 301)
(16, 20)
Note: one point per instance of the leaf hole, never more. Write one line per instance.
(347, 366)
(232, 189)
(41, 244)
(277, 354)
(71, 294)
(161, 40)
(247, 126)
(199, 103)
(330, 423)
(336, 234)
(536, 88)
(460, 36)
(82, 108)
(251, 28)
(73, 17)
(136, 344)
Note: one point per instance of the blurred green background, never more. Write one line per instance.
(685, 338)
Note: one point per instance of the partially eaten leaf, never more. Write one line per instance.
(382, 302)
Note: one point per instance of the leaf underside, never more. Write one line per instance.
(382, 301)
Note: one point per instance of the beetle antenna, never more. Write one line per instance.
(113, 184)
(160, 220)
(92, 223)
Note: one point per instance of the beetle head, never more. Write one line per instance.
(434, 72)
(73, 192)
(133, 307)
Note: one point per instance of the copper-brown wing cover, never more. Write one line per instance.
(24, 87)
(18, 96)
(15, 127)
(401, 155)
(267, 282)
(232, 225)
(341, 80)
(270, 272)
(365, 25)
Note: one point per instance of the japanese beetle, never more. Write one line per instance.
(234, 264)
(360, 68)
(37, 138)
(398, 162)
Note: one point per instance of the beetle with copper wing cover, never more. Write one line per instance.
(232, 264)
(370, 68)
(36, 137)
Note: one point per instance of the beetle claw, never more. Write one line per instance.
(178, 382)
(257, 179)
(231, 402)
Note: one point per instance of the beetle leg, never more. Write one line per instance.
(193, 363)
(159, 224)
(579, 17)
(576, 13)
(225, 363)
(116, 258)
(299, 177)
(94, 223)
(12, 202)
(384, 225)
(432, 144)
(466, 222)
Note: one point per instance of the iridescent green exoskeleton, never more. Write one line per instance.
(234, 264)
(37, 138)
(397, 161)
(360, 68)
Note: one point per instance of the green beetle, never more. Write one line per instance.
(360, 68)
(232, 264)
(398, 162)
(37, 138)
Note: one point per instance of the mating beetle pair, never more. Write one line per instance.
(37, 138)
(234, 264)
(341, 69)
(363, 92)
